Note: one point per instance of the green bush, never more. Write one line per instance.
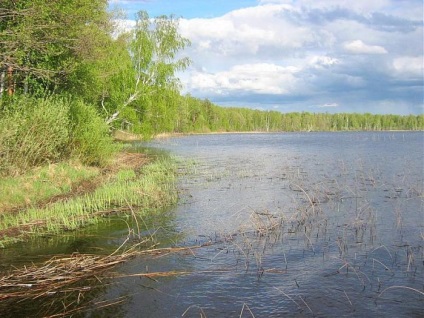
(32, 132)
(90, 138)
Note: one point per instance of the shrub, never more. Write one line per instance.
(90, 138)
(32, 132)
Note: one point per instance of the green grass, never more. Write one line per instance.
(42, 183)
(152, 187)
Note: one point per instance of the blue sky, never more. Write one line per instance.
(300, 55)
(184, 8)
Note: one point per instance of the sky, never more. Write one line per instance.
(300, 55)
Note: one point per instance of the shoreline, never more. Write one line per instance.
(174, 135)
(89, 200)
(123, 136)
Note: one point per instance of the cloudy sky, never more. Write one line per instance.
(301, 55)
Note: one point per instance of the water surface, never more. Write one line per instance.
(289, 224)
(296, 224)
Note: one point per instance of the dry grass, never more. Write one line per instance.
(54, 276)
(59, 274)
(121, 135)
(61, 283)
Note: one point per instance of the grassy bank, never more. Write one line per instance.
(43, 183)
(66, 197)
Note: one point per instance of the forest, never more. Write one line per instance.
(68, 80)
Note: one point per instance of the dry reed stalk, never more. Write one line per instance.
(55, 275)
(61, 274)
(288, 296)
(247, 307)
(167, 250)
(348, 298)
(202, 313)
(265, 222)
(312, 203)
(157, 274)
(154, 275)
(381, 263)
(306, 304)
(402, 287)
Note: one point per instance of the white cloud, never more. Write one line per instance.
(122, 26)
(322, 61)
(357, 5)
(329, 105)
(359, 47)
(260, 78)
(409, 66)
(297, 53)
(250, 31)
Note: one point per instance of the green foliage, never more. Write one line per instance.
(188, 114)
(32, 132)
(150, 86)
(105, 81)
(45, 41)
(90, 139)
(66, 47)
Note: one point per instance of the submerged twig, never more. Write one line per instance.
(404, 287)
(242, 310)
(202, 313)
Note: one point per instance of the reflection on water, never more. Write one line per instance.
(317, 224)
(299, 224)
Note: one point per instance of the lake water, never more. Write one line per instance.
(295, 224)
(289, 224)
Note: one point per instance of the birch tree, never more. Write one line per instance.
(153, 47)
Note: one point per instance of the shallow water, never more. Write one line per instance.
(291, 224)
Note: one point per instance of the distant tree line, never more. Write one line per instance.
(189, 114)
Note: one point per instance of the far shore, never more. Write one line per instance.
(120, 135)
(172, 135)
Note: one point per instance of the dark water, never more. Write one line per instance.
(292, 225)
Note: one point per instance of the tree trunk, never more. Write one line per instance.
(10, 82)
(2, 79)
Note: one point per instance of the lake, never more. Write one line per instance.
(292, 224)
(278, 225)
